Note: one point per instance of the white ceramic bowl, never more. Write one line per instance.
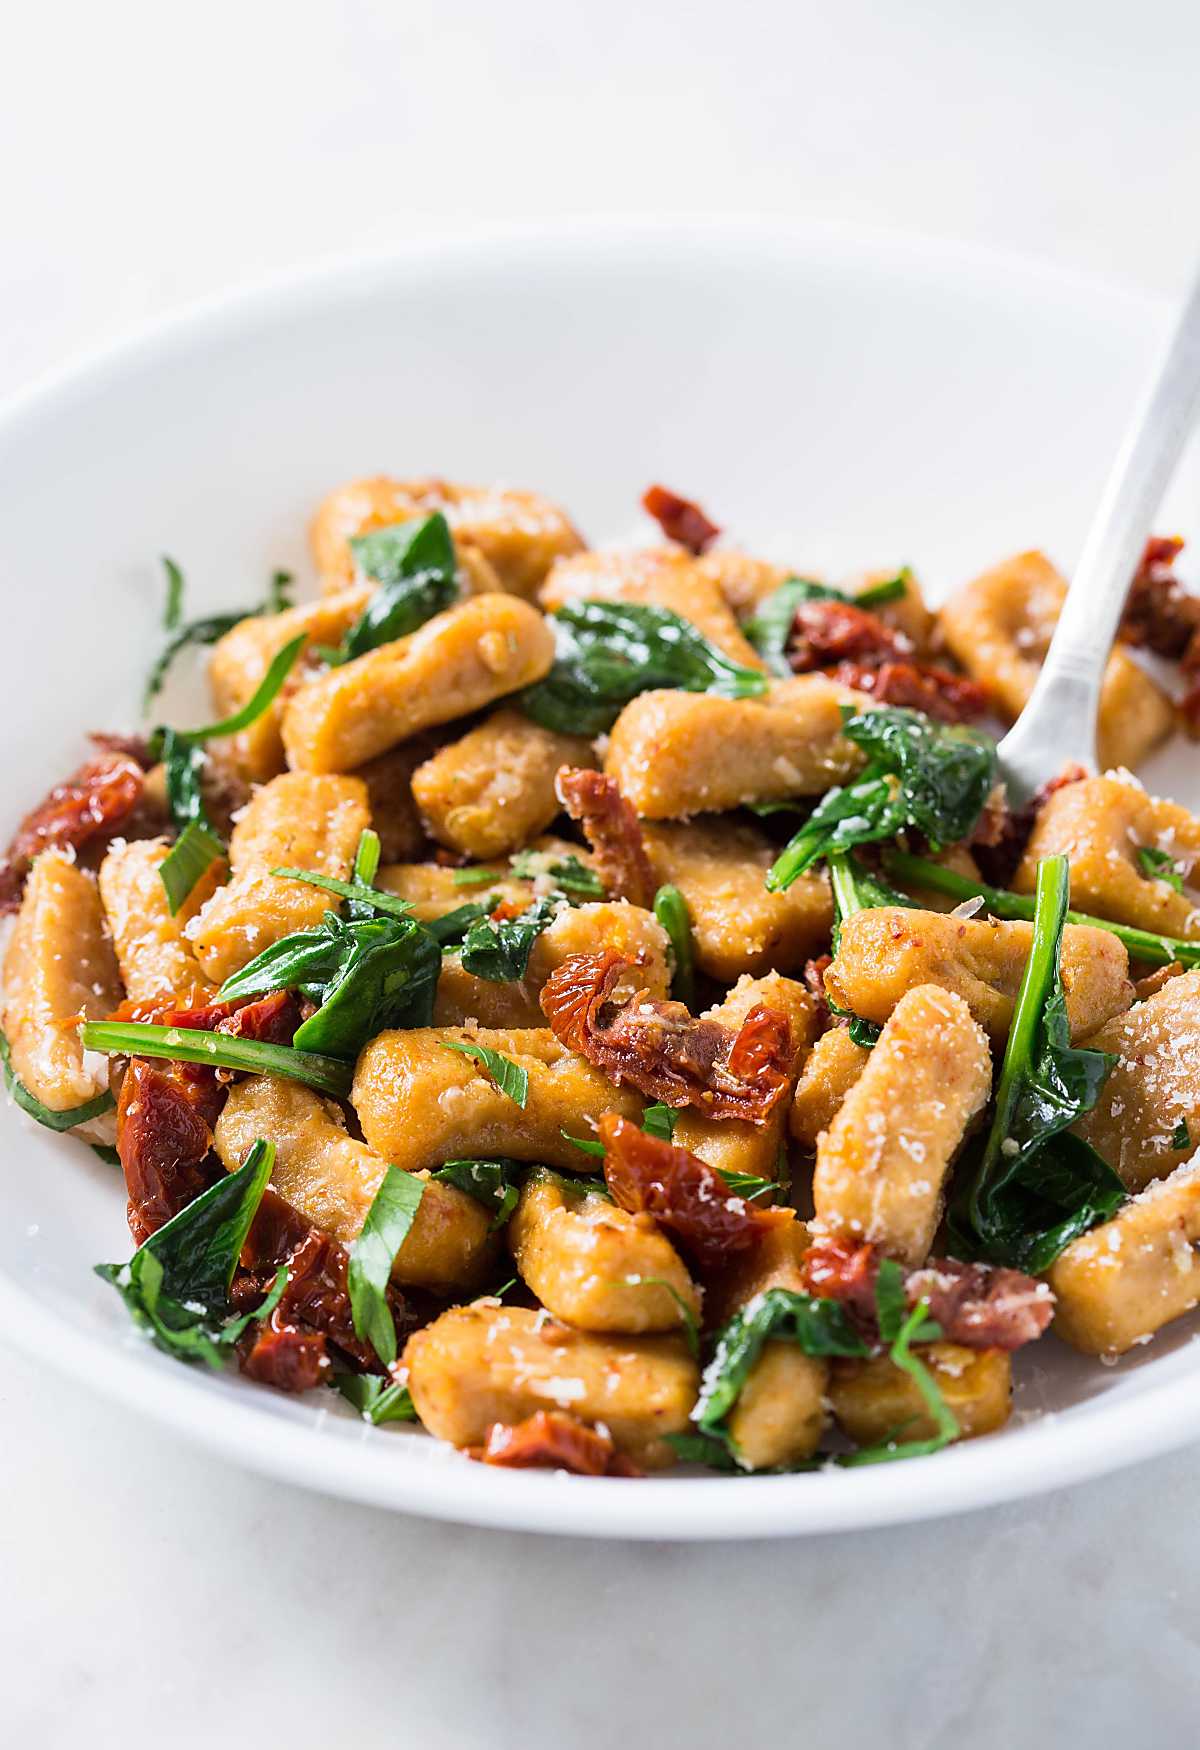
(839, 401)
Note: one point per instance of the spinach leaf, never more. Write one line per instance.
(190, 857)
(448, 930)
(1032, 1188)
(1181, 1136)
(607, 652)
(414, 565)
(929, 776)
(657, 1120)
(1159, 865)
(569, 874)
(387, 978)
(499, 951)
(495, 1184)
(204, 631)
(509, 1077)
(389, 1220)
(856, 889)
(65, 1120)
(328, 1075)
(671, 910)
(176, 1285)
(817, 1326)
(1001, 903)
(375, 1400)
(475, 877)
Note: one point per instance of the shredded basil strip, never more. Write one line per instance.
(189, 859)
(414, 565)
(375, 1399)
(607, 652)
(1033, 1187)
(203, 631)
(933, 777)
(176, 1285)
(671, 910)
(1181, 1136)
(495, 1183)
(359, 891)
(387, 1226)
(689, 1323)
(657, 1120)
(65, 1120)
(509, 1077)
(222, 1050)
(1158, 865)
(574, 877)
(499, 951)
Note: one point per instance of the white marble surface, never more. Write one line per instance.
(153, 1595)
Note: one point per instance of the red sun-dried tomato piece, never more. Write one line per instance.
(921, 686)
(663, 1050)
(613, 831)
(549, 1440)
(981, 1306)
(680, 519)
(163, 1139)
(684, 1194)
(1159, 613)
(828, 632)
(90, 804)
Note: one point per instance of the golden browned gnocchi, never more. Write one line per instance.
(763, 1092)
(456, 663)
(517, 536)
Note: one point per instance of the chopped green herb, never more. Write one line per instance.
(748, 1185)
(1181, 1136)
(1033, 1187)
(205, 631)
(657, 1120)
(173, 603)
(607, 652)
(108, 1155)
(933, 777)
(818, 1327)
(574, 877)
(414, 565)
(449, 930)
(1142, 944)
(915, 1328)
(389, 1220)
(1159, 865)
(222, 1050)
(771, 627)
(360, 892)
(375, 1399)
(509, 1077)
(585, 1144)
(176, 1285)
(495, 1183)
(65, 1120)
(499, 951)
(190, 857)
(475, 877)
(670, 908)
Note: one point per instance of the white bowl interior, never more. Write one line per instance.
(839, 403)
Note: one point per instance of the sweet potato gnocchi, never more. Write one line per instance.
(601, 1007)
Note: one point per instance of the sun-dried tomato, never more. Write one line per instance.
(683, 1193)
(814, 983)
(1159, 613)
(273, 1018)
(1003, 832)
(551, 1440)
(981, 1306)
(613, 831)
(90, 804)
(663, 1050)
(130, 747)
(920, 685)
(315, 1305)
(163, 1139)
(825, 633)
(680, 519)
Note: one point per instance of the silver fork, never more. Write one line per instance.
(1058, 725)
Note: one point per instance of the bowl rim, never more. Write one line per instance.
(1048, 1453)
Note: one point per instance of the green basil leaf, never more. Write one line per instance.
(183, 768)
(915, 1328)
(375, 1399)
(221, 1050)
(204, 631)
(360, 893)
(671, 910)
(657, 1120)
(607, 652)
(495, 1183)
(414, 565)
(449, 930)
(499, 951)
(65, 1120)
(1159, 865)
(384, 1231)
(891, 1303)
(189, 859)
(1181, 1136)
(509, 1077)
(475, 877)
(748, 1185)
(585, 1144)
(568, 873)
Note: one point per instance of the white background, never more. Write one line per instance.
(151, 153)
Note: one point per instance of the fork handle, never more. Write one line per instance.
(1064, 705)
